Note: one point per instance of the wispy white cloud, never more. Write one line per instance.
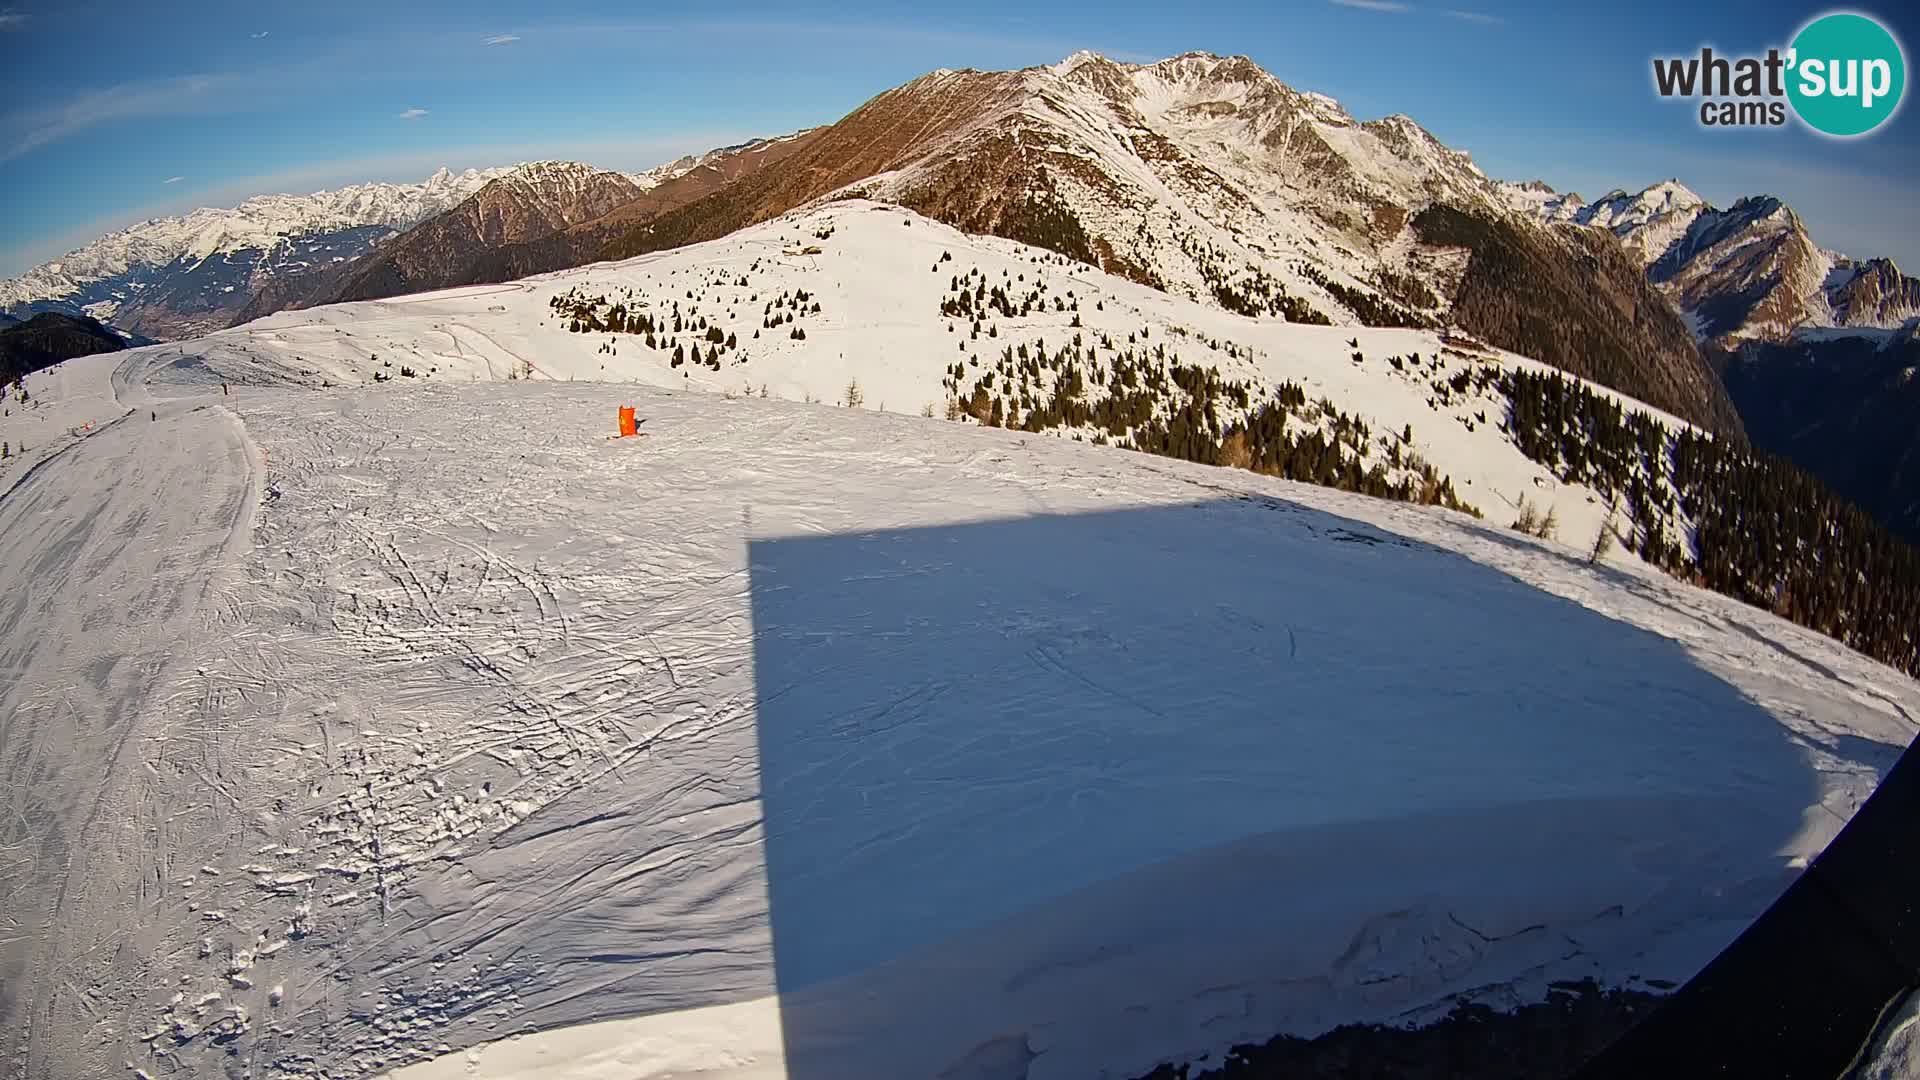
(414, 113)
(1480, 17)
(260, 35)
(173, 179)
(26, 129)
(1376, 5)
(501, 39)
(12, 18)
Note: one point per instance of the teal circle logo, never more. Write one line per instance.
(1848, 74)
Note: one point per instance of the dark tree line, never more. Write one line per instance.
(1762, 530)
(662, 327)
(1776, 537)
(1370, 309)
(1043, 219)
(1846, 410)
(48, 338)
(1251, 291)
(1145, 398)
(1406, 289)
(1573, 300)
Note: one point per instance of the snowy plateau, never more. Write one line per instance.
(370, 711)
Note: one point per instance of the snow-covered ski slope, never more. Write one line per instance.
(347, 727)
(880, 275)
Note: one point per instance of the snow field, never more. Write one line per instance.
(802, 740)
(810, 741)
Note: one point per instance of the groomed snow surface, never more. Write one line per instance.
(351, 727)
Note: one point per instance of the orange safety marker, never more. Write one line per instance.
(627, 425)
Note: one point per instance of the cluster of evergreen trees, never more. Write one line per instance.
(1145, 398)
(1043, 220)
(1763, 531)
(1252, 291)
(690, 354)
(587, 313)
(1776, 537)
(970, 297)
(1260, 296)
(662, 327)
(1406, 289)
(1475, 382)
(1370, 309)
(592, 314)
(1845, 409)
(1266, 443)
(1023, 205)
(783, 309)
(1587, 438)
(1572, 299)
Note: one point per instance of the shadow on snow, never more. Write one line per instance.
(1100, 785)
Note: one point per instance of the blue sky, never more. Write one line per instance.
(110, 113)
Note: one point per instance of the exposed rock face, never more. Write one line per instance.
(529, 203)
(557, 215)
(1874, 293)
(1749, 271)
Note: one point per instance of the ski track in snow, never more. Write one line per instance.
(115, 545)
(798, 741)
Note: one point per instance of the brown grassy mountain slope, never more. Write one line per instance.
(1205, 176)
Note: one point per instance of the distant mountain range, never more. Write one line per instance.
(178, 276)
(1749, 272)
(1200, 175)
(454, 247)
(538, 217)
(1816, 349)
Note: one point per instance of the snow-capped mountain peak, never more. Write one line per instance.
(1648, 222)
(257, 223)
(1063, 68)
(554, 179)
(1619, 209)
(1254, 164)
(1749, 271)
(1201, 175)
